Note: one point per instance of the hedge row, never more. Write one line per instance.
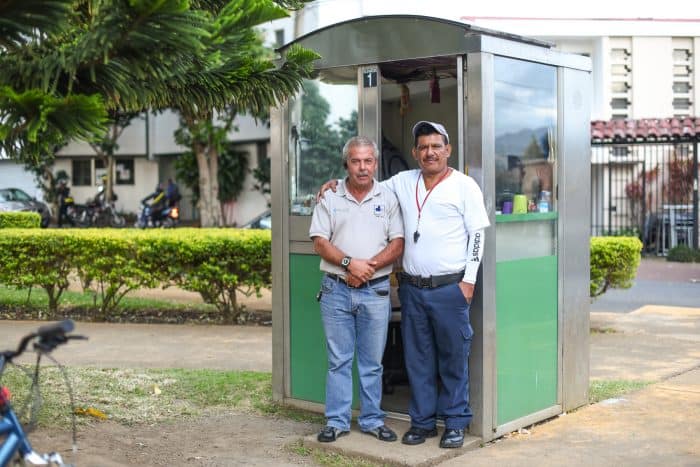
(20, 220)
(614, 262)
(214, 262)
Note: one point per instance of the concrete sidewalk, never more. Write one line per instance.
(658, 425)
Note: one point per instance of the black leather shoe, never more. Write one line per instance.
(452, 438)
(382, 433)
(418, 435)
(330, 434)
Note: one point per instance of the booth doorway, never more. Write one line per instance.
(411, 90)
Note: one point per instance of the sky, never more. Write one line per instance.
(529, 9)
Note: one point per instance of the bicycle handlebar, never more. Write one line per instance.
(62, 327)
(50, 336)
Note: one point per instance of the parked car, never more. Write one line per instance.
(14, 199)
(263, 221)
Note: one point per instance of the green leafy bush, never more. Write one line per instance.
(217, 263)
(683, 254)
(20, 220)
(614, 262)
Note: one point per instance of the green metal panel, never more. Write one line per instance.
(308, 360)
(307, 342)
(527, 217)
(526, 336)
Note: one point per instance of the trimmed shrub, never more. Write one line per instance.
(614, 262)
(217, 263)
(20, 220)
(683, 254)
(31, 258)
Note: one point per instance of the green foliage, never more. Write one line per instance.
(233, 168)
(320, 141)
(218, 264)
(262, 174)
(33, 123)
(111, 263)
(65, 61)
(38, 259)
(608, 389)
(20, 220)
(614, 262)
(683, 254)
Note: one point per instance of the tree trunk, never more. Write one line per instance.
(208, 165)
(109, 185)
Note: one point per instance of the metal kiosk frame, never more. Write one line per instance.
(518, 115)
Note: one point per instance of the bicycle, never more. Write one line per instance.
(16, 445)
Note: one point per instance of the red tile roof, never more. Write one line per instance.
(646, 129)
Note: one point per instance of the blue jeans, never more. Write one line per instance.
(437, 339)
(354, 320)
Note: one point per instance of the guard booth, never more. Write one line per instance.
(517, 112)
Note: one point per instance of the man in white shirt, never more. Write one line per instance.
(444, 220)
(358, 232)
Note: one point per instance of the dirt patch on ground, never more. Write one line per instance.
(222, 440)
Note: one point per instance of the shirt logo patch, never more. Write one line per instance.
(379, 210)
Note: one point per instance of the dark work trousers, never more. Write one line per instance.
(437, 338)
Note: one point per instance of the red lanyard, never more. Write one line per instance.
(416, 234)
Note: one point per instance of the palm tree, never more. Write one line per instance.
(239, 71)
(34, 116)
(67, 62)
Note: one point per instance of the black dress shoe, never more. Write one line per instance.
(452, 438)
(330, 434)
(417, 435)
(382, 433)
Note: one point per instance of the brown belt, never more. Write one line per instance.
(432, 281)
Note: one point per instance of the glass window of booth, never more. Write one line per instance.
(321, 118)
(525, 128)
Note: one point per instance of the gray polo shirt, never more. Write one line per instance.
(360, 229)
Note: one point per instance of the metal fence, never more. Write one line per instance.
(648, 190)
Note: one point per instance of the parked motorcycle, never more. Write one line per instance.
(93, 214)
(167, 217)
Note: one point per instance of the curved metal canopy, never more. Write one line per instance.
(377, 39)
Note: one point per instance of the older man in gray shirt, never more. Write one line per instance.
(358, 232)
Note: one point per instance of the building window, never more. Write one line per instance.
(681, 104)
(620, 103)
(620, 151)
(682, 77)
(620, 87)
(279, 37)
(681, 87)
(621, 78)
(124, 172)
(100, 171)
(82, 169)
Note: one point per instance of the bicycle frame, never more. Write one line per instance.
(16, 441)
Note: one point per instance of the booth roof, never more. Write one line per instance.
(646, 129)
(461, 24)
